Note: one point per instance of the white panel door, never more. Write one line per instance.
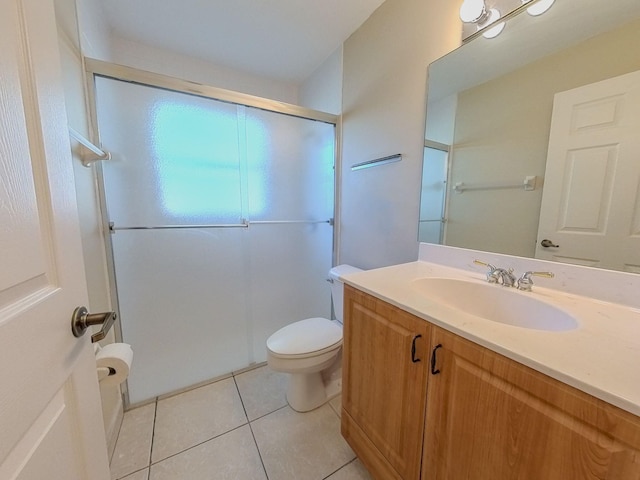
(50, 416)
(591, 202)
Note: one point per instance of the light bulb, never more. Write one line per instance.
(472, 11)
(540, 7)
(494, 16)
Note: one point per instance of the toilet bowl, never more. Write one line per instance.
(309, 351)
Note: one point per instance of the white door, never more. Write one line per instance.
(50, 415)
(591, 202)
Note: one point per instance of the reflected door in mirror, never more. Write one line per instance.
(590, 203)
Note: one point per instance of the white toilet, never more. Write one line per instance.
(309, 350)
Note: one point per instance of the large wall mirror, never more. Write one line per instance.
(499, 177)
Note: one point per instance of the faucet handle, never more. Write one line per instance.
(484, 264)
(525, 283)
(492, 274)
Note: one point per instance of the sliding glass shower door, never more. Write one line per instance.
(222, 229)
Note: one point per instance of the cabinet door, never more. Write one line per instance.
(384, 390)
(491, 418)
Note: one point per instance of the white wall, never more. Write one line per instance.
(323, 89)
(94, 32)
(145, 57)
(383, 106)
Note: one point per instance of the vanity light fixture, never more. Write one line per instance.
(538, 8)
(494, 15)
(475, 11)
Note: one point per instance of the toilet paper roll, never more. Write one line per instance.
(117, 357)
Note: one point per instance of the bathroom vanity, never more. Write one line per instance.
(433, 391)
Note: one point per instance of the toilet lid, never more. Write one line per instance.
(305, 336)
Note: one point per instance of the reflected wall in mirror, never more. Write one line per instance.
(489, 112)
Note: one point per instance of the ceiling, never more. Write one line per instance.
(280, 39)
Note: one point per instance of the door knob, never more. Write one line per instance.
(82, 319)
(548, 243)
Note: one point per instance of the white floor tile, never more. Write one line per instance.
(134, 442)
(262, 390)
(140, 475)
(297, 446)
(336, 404)
(232, 456)
(202, 434)
(353, 471)
(196, 416)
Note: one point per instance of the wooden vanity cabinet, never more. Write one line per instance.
(483, 416)
(490, 418)
(385, 361)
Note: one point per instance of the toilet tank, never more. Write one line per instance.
(337, 287)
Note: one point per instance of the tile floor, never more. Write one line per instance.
(239, 428)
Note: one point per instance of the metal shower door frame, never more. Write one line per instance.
(98, 68)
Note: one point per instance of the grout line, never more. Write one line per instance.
(343, 466)
(241, 400)
(334, 410)
(255, 442)
(335, 471)
(135, 471)
(132, 473)
(153, 434)
(258, 450)
(198, 444)
(269, 413)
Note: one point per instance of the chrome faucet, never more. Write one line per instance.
(525, 283)
(498, 275)
(507, 278)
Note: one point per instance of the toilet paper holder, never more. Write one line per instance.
(82, 319)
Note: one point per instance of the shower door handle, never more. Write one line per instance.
(82, 319)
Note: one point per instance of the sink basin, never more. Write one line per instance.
(495, 303)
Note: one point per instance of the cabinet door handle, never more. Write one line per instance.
(434, 371)
(413, 349)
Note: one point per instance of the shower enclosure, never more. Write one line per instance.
(221, 221)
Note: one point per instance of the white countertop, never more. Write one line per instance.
(600, 357)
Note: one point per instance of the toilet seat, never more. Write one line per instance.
(309, 337)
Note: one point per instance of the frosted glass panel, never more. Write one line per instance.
(182, 306)
(175, 156)
(289, 267)
(290, 166)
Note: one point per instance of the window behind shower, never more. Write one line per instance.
(222, 228)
